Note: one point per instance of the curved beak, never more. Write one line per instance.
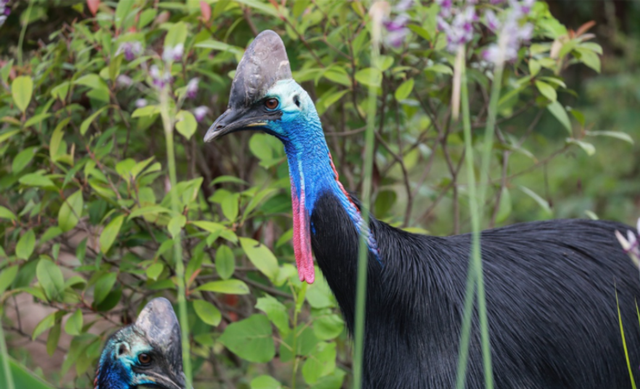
(235, 119)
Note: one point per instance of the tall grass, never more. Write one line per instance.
(5, 358)
(376, 14)
(168, 125)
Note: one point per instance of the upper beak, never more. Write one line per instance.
(233, 119)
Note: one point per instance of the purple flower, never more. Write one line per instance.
(5, 11)
(130, 50)
(173, 53)
(200, 113)
(124, 80)
(192, 88)
(404, 5)
(141, 103)
(492, 21)
(399, 23)
(159, 80)
(631, 244)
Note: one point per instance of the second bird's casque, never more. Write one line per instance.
(550, 286)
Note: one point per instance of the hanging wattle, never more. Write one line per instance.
(301, 233)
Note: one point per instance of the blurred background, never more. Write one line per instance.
(539, 171)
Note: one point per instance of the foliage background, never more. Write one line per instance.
(86, 223)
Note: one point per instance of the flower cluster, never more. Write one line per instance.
(130, 49)
(512, 32)
(4, 11)
(173, 53)
(159, 79)
(631, 244)
(397, 28)
(457, 22)
(192, 88)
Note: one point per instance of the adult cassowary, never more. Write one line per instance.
(550, 286)
(146, 353)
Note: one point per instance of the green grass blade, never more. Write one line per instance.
(624, 343)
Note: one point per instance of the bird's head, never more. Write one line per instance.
(147, 353)
(264, 96)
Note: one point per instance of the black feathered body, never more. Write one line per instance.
(550, 291)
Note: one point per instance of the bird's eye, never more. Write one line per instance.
(271, 103)
(144, 358)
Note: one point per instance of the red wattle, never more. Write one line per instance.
(302, 236)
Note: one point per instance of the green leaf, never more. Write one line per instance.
(328, 327)
(150, 210)
(305, 342)
(154, 271)
(321, 362)
(26, 245)
(44, 325)
(612, 134)
(220, 46)
(226, 287)
(175, 225)
(87, 122)
(53, 338)
(369, 77)
(21, 91)
(547, 90)
(35, 179)
(265, 382)
(250, 339)
(176, 34)
(276, 312)
(230, 206)
(5, 213)
(73, 326)
(260, 256)
(22, 159)
(504, 208)
(50, 279)
(37, 119)
(208, 226)
(404, 90)
(56, 139)
(561, 114)
(186, 124)
(589, 58)
(70, 211)
(7, 275)
(146, 111)
(110, 233)
(225, 262)
(22, 378)
(122, 10)
(103, 287)
(264, 8)
(544, 204)
(232, 179)
(207, 312)
(587, 147)
(439, 68)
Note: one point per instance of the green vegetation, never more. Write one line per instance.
(108, 196)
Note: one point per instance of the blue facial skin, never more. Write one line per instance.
(310, 166)
(120, 356)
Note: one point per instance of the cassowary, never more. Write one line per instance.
(550, 286)
(146, 353)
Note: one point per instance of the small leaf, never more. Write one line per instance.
(328, 327)
(276, 312)
(7, 275)
(103, 287)
(226, 287)
(21, 91)
(612, 134)
(73, 326)
(208, 226)
(544, 204)
(504, 208)
(154, 271)
(225, 262)
(22, 159)
(26, 244)
(260, 256)
(110, 233)
(35, 179)
(439, 68)
(53, 338)
(175, 225)
(559, 112)
(547, 90)
(230, 206)
(44, 325)
(50, 279)
(587, 147)
(404, 90)
(70, 211)
(186, 124)
(87, 122)
(265, 382)
(5, 213)
(250, 339)
(369, 77)
(207, 312)
(145, 111)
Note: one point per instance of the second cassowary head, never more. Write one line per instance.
(147, 353)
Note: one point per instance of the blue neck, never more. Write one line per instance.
(112, 374)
